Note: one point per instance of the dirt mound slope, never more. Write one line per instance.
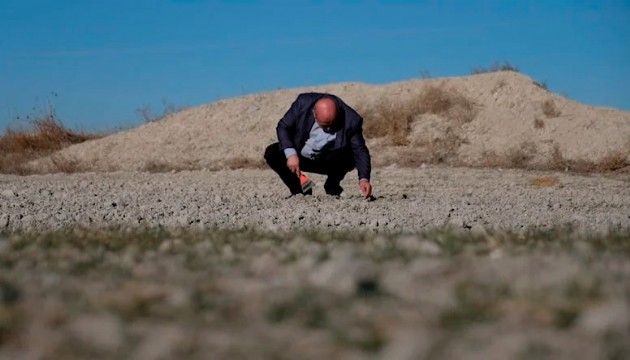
(495, 119)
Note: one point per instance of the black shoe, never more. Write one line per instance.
(334, 190)
(305, 193)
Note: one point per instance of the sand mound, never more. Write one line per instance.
(493, 119)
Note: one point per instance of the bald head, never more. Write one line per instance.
(325, 112)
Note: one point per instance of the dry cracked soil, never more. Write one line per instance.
(445, 263)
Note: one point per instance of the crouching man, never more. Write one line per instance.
(321, 134)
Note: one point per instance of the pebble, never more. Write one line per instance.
(103, 333)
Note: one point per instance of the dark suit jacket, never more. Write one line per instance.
(295, 126)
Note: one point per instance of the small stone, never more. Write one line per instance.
(409, 243)
(456, 222)
(4, 221)
(264, 265)
(28, 219)
(606, 316)
(8, 193)
(165, 246)
(478, 230)
(496, 254)
(183, 221)
(407, 344)
(428, 248)
(161, 343)
(380, 242)
(99, 332)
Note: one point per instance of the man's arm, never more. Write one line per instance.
(286, 130)
(361, 153)
(287, 127)
(362, 160)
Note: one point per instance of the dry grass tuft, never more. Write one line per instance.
(611, 162)
(447, 103)
(539, 123)
(230, 164)
(550, 109)
(245, 163)
(163, 167)
(544, 181)
(391, 120)
(521, 158)
(497, 66)
(46, 135)
(517, 157)
(66, 165)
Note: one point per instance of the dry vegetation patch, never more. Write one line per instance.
(612, 162)
(45, 136)
(391, 120)
(497, 66)
(544, 181)
(550, 109)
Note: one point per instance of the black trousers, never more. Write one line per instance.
(334, 163)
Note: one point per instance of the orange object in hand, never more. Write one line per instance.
(306, 183)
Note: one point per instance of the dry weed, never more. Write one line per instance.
(448, 103)
(146, 113)
(499, 85)
(245, 163)
(156, 166)
(391, 120)
(409, 156)
(66, 165)
(542, 84)
(497, 66)
(445, 149)
(611, 162)
(514, 158)
(539, 123)
(550, 109)
(544, 181)
(46, 135)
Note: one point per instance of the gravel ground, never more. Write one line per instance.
(406, 200)
(390, 281)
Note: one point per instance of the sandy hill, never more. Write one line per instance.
(492, 119)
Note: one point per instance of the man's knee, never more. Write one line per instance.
(272, 151)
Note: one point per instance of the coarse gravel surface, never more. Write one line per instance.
(446, 263)
(406, 200)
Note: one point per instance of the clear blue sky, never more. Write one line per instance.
(106, 58)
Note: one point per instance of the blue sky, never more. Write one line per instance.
(99, 61)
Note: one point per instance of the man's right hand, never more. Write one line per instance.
(293, 163)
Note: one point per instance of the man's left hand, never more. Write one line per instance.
(366, 188)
